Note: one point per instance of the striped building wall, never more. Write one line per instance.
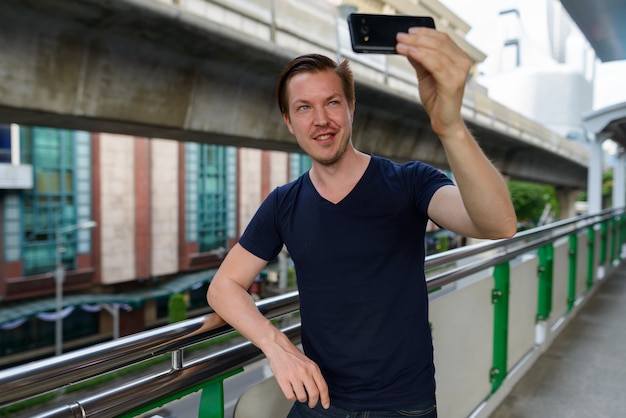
(117, 201)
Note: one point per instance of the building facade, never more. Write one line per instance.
(165, 213)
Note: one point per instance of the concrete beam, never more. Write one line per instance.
(152, 69)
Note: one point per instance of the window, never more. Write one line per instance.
(299, 164)
(212, 198)
(50, 204)
(60, 196)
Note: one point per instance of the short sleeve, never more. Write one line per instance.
(262, 235)
(424, 180)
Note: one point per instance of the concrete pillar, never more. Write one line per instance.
(567, 202)
(619, 191)
(594, 177)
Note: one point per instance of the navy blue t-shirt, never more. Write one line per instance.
(360, 270)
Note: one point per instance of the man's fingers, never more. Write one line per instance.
(298, 377)
(313, 395)
(324, 397)
(300, 392)
(311, 390)
(287, 390)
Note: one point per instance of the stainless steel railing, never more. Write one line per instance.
(28, 380)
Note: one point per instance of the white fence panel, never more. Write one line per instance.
(463, 347)
(523, 290)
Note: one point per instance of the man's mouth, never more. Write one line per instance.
(323, 137)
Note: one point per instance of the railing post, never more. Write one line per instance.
(591, 256)
(603, 232)
(546, 263)
(622, 237)
(212, 398)
(500, 300)
(619, 238)
(613, 258)
(622, 234)
(573, 261)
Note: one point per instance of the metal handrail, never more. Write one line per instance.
(510, 246)
(38, 377)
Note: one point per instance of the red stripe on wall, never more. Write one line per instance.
(96, 207)
(265, 173)
(142, 208)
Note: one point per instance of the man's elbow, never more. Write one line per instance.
(510, 232)
(508, 228)
(212, 294)
(503, 228)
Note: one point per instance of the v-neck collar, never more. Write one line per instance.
(347, 195)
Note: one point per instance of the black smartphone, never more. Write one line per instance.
(376, 34)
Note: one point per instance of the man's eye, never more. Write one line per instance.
(303, 107)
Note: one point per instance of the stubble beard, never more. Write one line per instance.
(336, 157)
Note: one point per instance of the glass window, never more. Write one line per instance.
(298, 165)
(212, 198)
(51, 203)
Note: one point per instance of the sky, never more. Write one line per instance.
(610, 84)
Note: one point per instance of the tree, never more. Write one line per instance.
(176, 308)
(530, 200)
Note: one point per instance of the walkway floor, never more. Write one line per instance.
(583, 373)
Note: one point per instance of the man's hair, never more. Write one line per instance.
(314, 63)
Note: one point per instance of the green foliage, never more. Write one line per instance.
(9, 410)
(291, 277)
(176, 308)
(607, 190)
(443, 243)
(530, 199)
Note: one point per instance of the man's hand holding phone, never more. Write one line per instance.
(442, 68)
(376, 34)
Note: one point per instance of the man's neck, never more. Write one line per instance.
(334, 182)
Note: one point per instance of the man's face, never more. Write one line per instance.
(319, 116)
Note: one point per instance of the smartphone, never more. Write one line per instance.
(376, 34)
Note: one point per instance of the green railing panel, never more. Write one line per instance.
(211, 401)
(603, 233)
(545, 273)
(622, 234)
(500, 300)
(613, 240)
(591, 256)
(573, 261)
(212, 398)
(619, 237)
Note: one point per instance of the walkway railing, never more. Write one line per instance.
(495, 306)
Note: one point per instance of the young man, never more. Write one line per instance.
(354, 226)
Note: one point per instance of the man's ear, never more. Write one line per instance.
(288, 122)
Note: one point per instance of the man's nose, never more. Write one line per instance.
(321, 116)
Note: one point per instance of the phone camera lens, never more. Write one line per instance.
(365, 29)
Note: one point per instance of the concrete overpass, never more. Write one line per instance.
(205, 71)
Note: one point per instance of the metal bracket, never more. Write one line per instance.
(496, 294)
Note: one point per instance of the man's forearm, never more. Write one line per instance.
(482, 187)
(236, 307)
